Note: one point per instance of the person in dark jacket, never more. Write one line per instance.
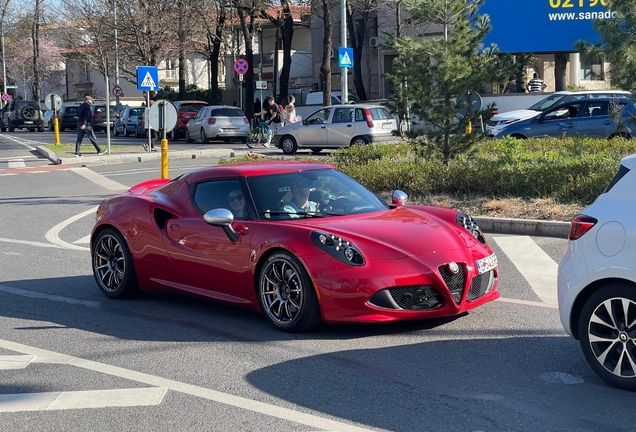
(84, 126)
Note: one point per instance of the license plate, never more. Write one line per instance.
(387, 126)
(28, 122)
(486, 264)
(229, 130)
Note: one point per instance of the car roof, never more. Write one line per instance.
(189, 102)
(256, 168)
(357, 105)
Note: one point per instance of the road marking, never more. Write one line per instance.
(15, 361)
(527, 303)
(52, 297)
(99, 179)
(85, 240)
(189, 389)
(49, 401)
(16, 163)
(533, 263)
(30, 243)
(53, 235)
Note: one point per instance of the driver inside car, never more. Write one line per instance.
(299, 203)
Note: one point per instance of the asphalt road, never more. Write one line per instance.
(73, 360)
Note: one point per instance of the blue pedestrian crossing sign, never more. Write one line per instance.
(345, 58)
(147, 78)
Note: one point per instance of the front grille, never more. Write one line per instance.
(416, 297)
(481, 285)
(454, 282)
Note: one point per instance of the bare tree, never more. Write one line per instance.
(283, 20)
(325, 67)
(213, 19)
(35, 35)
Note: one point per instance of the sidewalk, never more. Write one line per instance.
(136, 154)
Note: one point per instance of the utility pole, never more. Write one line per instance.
(4, 65)
(117, 104)
(344, 94)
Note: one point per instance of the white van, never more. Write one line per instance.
(315, 98)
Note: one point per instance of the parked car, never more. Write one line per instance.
(356, 263)
(597, 280)
(126, 122)
(47, 117)
(218, 122)
(186, 111)
(22, 114)
(338, 126)
(99, 117)
(499, 121)
(140, 131)
(67, 117)
(315, 98)
(589, 117)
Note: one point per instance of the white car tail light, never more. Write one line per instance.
(580, 225)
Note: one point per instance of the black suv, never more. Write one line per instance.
(22, 114)
(67, 117)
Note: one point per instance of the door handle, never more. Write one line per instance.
(349, 125)
(323, 127)
(175, 227)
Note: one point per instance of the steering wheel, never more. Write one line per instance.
(28, 112)
(339, 205)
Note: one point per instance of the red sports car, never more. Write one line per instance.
(300, 242)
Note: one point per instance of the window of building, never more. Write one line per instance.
(85, 73)
(171, 69)
(591, 68)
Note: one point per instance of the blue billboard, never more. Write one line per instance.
(542, 26)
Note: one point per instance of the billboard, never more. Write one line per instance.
(542, 26)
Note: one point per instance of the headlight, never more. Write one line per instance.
(337, 247)
(470, 225)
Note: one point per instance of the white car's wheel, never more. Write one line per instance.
(607, 334)
(288, 145)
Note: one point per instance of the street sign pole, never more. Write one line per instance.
(344, 98)
(56, 127)
(107, 105)
(164, 140)
(148, 120)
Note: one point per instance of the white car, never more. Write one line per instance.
(500, 121)
(597, 280)
(218, 122)
(338, 126)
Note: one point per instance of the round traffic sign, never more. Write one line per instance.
(162, 115)
(240, 66)
(117, 91)
(472, 100)
(5, 97)
(53, 101)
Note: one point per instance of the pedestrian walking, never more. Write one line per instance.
(149, 130)
(536, 84)
(85, 127)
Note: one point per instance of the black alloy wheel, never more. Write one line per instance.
(113, 267)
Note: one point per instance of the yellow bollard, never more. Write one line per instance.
(164, 158)
(56, 128)
(469, 127)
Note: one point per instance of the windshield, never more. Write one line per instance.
(321, 193)
(546, 103)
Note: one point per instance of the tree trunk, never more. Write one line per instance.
(357, 43)
(182, 56)
(216, 51)
(247, 27)
(287, 35)
(35, 34)
(325, 67)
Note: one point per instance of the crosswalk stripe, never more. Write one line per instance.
(533, 263)
(16, 163)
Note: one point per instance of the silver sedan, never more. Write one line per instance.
(218, 123)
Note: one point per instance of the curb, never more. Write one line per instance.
(487, 224)
(524, 226)
(138, 157)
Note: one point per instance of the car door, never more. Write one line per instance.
(557, 122)
(596, 120)
(313, 132)
(194, 126)
(206, 258)
(340, 129)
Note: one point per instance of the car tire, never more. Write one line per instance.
(115, 132)
(286, 294)
(244, 140)
(316, 150)
(204, 137)
(604, 334)
(11, 128)
(127, 132)
(359, 141)
(288, 145)
(41, 129)
(188, 138)
(113, 266)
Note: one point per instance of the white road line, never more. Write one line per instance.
(15, 361)
(212, 395)
(99, 179)
(527, 303)
(49, 401)
(10, 158)
(52, 297)
(85, 240)
(534, 264)
(16, 163)
(53, 234)
(22, 142)
(30, 243)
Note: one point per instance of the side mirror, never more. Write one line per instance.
(399, 198)
(222, 218)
